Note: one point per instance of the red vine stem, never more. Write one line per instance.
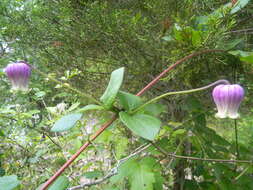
(153, 82)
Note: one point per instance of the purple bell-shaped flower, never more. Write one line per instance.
(227, 99)
(19, 74)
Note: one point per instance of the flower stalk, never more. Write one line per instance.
(180, 92)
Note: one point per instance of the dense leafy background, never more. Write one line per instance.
(80, 42)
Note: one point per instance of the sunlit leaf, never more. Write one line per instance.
(112, 89)
(9, 182)
(66, 122)
(90, 107)
(239, 5)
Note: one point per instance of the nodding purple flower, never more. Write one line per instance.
(227, 99)
(19, 74)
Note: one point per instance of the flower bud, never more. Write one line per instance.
(227, 99)
(19, 74)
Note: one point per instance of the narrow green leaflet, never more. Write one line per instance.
(73, 106)
(230, 44)
(9, 182)
(143, 125)
(66, 122)
(90, 107)
(129, 101)
(112, 89)
(243, 55)
(239, 5)
(61, 183)
(228, 6)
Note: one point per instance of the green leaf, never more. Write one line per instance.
(243, 55)
(179, 132)
(196, 38)
(90, 107)
(239, 5)
(126, 169)
(240, 53)
(66, 122)
(167, 38)
(61, 183)
(9, 182)
(93, 174)
(155, 109)
(112, 89)
(143, 125)
(142, 178)
(230, 45)
(73, 106)
(129, 101)
(40, 94)
(141, 174)
(2, 133)
(248, 59)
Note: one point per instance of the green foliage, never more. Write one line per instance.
(9, 182)
(154, 109)
(93, 174)
(239, 5)
(79, 43)
(90, 107)
(141, 174)
(112, 89)
(66, 122)
(129, 101)
(143, 125)
(60, 184)
(243, 56)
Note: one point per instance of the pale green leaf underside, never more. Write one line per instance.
(66, 122)
(9, 182)
(90, 107)
(112, 89)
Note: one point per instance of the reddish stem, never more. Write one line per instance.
(153, 82)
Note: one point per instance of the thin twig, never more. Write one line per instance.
(242, 30)
(199, 159)
(113, 171)
(175, 152)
